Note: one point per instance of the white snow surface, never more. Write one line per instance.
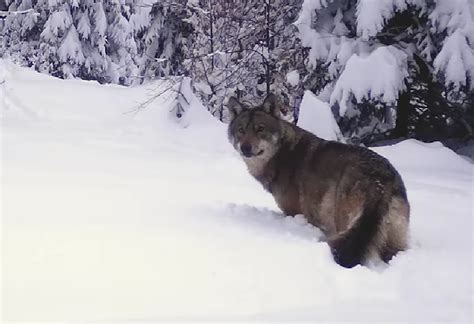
(293, 78)
(112, 216)
(316, 117)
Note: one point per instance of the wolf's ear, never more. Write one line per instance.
(272, 105)
(235, 107)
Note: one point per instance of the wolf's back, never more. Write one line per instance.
(361, 202)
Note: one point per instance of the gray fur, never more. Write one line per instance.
(355, 196)
(234, 107)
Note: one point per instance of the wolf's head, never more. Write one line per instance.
(255, 133)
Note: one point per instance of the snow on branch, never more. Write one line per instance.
(456, 60)
(4, 14)
(372, 15)
(380, 74)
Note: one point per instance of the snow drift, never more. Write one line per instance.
(113, 216)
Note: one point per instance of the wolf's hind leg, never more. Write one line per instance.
(350, 247)
(395, 227)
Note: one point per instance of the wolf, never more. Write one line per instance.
(352, 194)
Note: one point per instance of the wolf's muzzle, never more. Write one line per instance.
(246, 150)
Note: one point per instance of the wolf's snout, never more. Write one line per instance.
(246, 149)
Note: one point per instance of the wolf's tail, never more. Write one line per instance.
(350, 248)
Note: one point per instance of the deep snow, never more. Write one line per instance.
(113, 216)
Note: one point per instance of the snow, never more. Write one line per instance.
(110, 216)
(456, 60)
(58, 21)
(452, 15)
(316, 117)
(372, 15)
(293, 78)
(378, 74)
(84, 26)
(100, 19)
(70, 49)
(309, 37)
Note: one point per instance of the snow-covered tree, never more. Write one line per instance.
(121, 43)
(61, 46)
(388, 68)
(20, 30)
(162, 34)
(379, 63)
(88, 39)
(244, 48)
(92, 27)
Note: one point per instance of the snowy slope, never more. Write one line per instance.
(114, 216)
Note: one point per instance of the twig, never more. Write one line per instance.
(19, 12)
(147, 102)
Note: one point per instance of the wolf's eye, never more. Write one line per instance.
(260, 128)
(241, 130)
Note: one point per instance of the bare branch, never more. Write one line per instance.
(159, 93)
(4, 14)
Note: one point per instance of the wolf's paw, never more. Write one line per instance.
(344, 254)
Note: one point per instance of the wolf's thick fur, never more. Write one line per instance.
(355, 196)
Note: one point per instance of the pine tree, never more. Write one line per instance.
(61, 45)
(392, 68)
(163, 39)
(121, 44)
(88, 39)
(19, 31)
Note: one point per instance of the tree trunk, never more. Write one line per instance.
(211, 21)
(403, 109)
(267, 40)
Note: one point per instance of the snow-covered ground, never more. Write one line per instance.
(113, 216)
